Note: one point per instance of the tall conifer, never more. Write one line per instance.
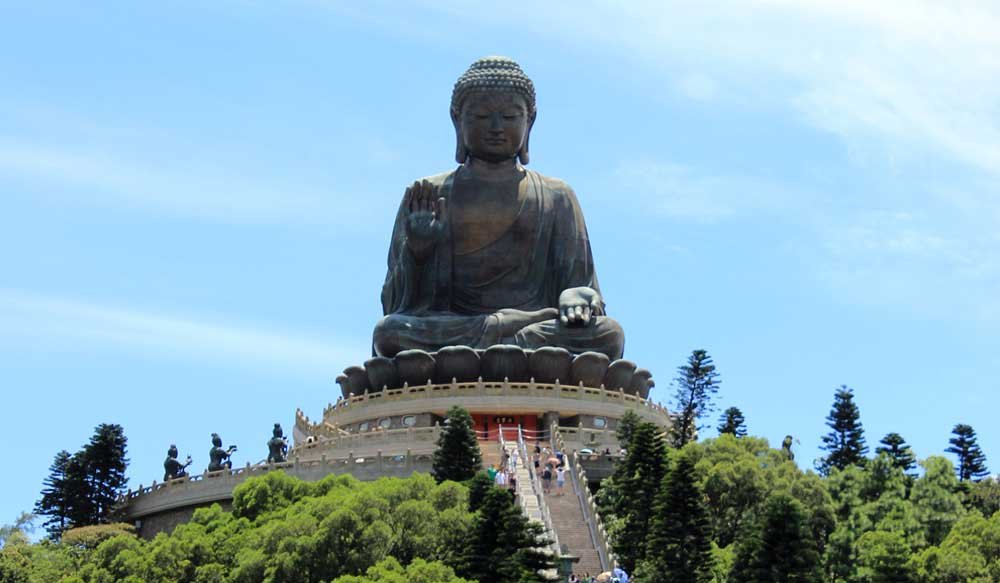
(896, 448)
(696, 383)
(636, 481)
(105, 459)
(732, 422)
(781, 548)
(457, 456)
(679, 543)
(845, 443)
(54, 504)
(971, 459)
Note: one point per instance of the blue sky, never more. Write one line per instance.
(196, 204)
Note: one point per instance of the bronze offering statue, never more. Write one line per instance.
(492, 253)
(172, 468)
(277, 446)
(218, 457)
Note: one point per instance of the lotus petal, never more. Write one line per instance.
(549, 364)
(619, 375)
(456, 362)
(589, 368)
(382, 373)
(415, 367)
(505, 361)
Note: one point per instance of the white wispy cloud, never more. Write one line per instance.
(686, 193)
(66, 322)
(111, 177)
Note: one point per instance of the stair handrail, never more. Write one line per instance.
(598, 534)
(536, 489)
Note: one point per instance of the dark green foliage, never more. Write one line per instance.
(896, 448)
(971, 459)
(732, 422)
(627, 500)
(884, 557)
(479, 486)
(504, 545)
(106, 462)
(984, 496)
(457, 457)
(81, 489)
(679, 544)
(696, 383)
(54, 504)
(780, 548)
(845, 444)
(626, 427)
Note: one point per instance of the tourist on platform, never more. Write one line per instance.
(620, 574)
(501, 479)
(513, 459)
(512, 483)
(573, 578)
(560, 480)
(560, 457)
(492, 472)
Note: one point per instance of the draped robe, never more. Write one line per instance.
(455, 298)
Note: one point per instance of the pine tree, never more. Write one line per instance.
(896, 447)
(679, 543)
(971, 459)
(732, 422)
(696, 383)
(781, 548)
(106, 464)
(53, 503)
(846, 440)
(505, 546)
(636, 481)
(457, 456)
(626, 427)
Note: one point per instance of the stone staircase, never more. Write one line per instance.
(571, 528)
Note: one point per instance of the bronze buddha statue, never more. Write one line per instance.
(491, 252)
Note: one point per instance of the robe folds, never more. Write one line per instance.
(456, 298)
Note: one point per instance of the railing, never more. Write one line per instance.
(456, 389)
(376, 462)
(536, 489)
(588, 505)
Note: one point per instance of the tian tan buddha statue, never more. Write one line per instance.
(491, 252)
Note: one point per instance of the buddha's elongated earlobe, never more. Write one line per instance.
(461, 152)
(522, 154)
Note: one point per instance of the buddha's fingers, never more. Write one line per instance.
(408, 199)
(586, 315)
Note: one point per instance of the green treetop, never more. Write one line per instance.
(971, 459)
(457, 457)
(896, 448)
(732, 422)
(696, 383)
(845, 443)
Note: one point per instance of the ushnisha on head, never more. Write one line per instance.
(494, 79)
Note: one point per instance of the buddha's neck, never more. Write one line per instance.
(477, 169)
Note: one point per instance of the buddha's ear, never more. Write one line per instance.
(522, 154)
(461, 153)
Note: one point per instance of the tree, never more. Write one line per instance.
(896, 448)
(679, 544)
(971, 459)
(54, 503)
(457, 456)
(883, 557)
(936, 499)
(504, 544)
(627, 502)
(732, 422)
(846, 440)
(696, 383)
(780, 549)
(23, 525)
(106, 464)
(81, 489)
(626, 427)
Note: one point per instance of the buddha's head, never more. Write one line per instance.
(493, 109)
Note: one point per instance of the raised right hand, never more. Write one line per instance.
(424, 218)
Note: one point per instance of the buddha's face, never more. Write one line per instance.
(493, 126)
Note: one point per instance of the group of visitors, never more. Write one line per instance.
(616, 575)
(554, 467)
(506, 475)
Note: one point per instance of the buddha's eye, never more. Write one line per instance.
(511, 116)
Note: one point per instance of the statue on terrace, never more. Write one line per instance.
(172, 468)
(491, 252)
(218, 457)
(277, 446)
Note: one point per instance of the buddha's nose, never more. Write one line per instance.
(496, 123)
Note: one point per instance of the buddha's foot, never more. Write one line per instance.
(511, 320)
